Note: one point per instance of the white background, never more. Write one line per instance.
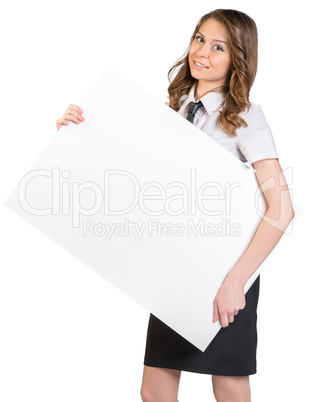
(67, 334)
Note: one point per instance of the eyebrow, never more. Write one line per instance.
(216, 40)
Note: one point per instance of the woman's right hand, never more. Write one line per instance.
(73, 113)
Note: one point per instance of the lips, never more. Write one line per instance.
(200, 65)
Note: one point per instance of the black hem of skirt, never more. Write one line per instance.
(232, 352)
(211, 372)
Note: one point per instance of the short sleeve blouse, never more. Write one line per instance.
(256, 140)
(252, 143)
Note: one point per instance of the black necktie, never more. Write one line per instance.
(193, 108)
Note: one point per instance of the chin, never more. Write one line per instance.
(196, 74)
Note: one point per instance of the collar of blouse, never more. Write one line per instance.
(211, 101)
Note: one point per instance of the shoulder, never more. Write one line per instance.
(180, 102)
(256, 141)
(255, 119)
(254, 113)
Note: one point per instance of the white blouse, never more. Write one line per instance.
(251, 144)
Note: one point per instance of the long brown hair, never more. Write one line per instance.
(243, 45)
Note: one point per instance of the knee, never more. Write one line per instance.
(147, 395)
(231, 390)
(159, 384)
(227, 396)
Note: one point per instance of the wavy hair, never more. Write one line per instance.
(243, 46)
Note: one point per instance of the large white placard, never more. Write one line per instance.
(147, 200)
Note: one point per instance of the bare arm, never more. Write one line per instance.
(230, 297)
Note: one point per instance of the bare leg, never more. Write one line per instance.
(231, 388)
(160, 384)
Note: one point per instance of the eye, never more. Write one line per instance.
(219, 48)
(199, 37)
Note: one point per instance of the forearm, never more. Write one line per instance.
(268, 234)
(230, 297)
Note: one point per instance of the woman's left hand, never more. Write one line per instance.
(228, 301)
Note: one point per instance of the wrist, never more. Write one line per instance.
(237, 278)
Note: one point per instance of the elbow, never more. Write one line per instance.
(288, 217)
(280, 219)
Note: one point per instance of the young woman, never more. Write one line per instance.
(211, 89)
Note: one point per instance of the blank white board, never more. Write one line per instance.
(147, 200)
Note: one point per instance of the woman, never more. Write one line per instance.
(211, 89)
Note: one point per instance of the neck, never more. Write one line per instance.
(203, 90)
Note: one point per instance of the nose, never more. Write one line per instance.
(204, 51)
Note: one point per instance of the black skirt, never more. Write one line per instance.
(232, 351)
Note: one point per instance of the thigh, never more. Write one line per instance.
(160, 384)
(231, 388)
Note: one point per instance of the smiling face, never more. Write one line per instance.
(209, 57)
